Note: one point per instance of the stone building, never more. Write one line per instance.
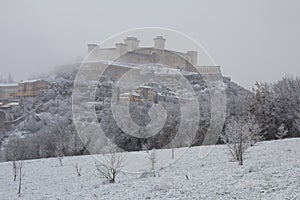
(131, 52)
(142, 93)
(146, 93)
(31, 88)
(135, 97)
(7, 90)
(124, 98)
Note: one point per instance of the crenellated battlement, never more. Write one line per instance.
(130, 52)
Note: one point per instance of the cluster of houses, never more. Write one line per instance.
(10, 94)
(129, 55)
(142, 93)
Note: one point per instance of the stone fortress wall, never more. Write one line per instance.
(131, 52)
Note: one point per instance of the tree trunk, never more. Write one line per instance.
(14, 170)
(20, 179)
(173, 152)
(241, 149)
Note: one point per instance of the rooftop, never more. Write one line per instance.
(144, 86)
(135, 94)
(8, 105)
(8, 84)
(30, 81)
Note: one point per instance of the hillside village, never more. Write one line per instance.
(29, 102)
(37, 121)
(11, 93)
(149, 100)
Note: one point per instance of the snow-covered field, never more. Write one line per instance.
(271, 171)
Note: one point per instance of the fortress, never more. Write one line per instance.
(129, 55)
(130, 52)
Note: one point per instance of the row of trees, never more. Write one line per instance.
(273, 107)
(9, 79)
(276, 108)
(58, 139)
(272, 113)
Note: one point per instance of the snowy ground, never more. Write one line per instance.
(271, 171)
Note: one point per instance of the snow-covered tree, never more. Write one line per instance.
(277, 104)
(297, 122)
(2, 80)
(238, 136)
(281, 132)
(15, 149)
(153, 159)
(10, 79)
(16, 152)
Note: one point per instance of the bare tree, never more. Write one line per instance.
(20, 166)
(239, 135)
(60, 156)
(152, 158)
(173, 147)
(111, 166)
(254, 129)
(77, 145)
(59, 145)
(15, 151)
(173, 153)
(78, 169)
(59, 128)
(15, 169)
(146, 146)
(59, 140)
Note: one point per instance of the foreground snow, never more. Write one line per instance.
(271, 171)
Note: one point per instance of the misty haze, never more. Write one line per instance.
(149, 100)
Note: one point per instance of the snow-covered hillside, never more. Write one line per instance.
(271, 171)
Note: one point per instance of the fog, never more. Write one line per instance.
(251, 40)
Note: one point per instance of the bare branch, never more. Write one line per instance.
(239, 135)
(112, 165)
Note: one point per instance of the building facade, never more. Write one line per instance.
(7, 90)
(134, 97)
(146, 93)
(131, 52)
(31, 88)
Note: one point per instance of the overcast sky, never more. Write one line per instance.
(254, 40)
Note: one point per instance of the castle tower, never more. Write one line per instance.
(132, 43)
(121, 49)
(192, 57)
(91, 47)
(159, 42)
